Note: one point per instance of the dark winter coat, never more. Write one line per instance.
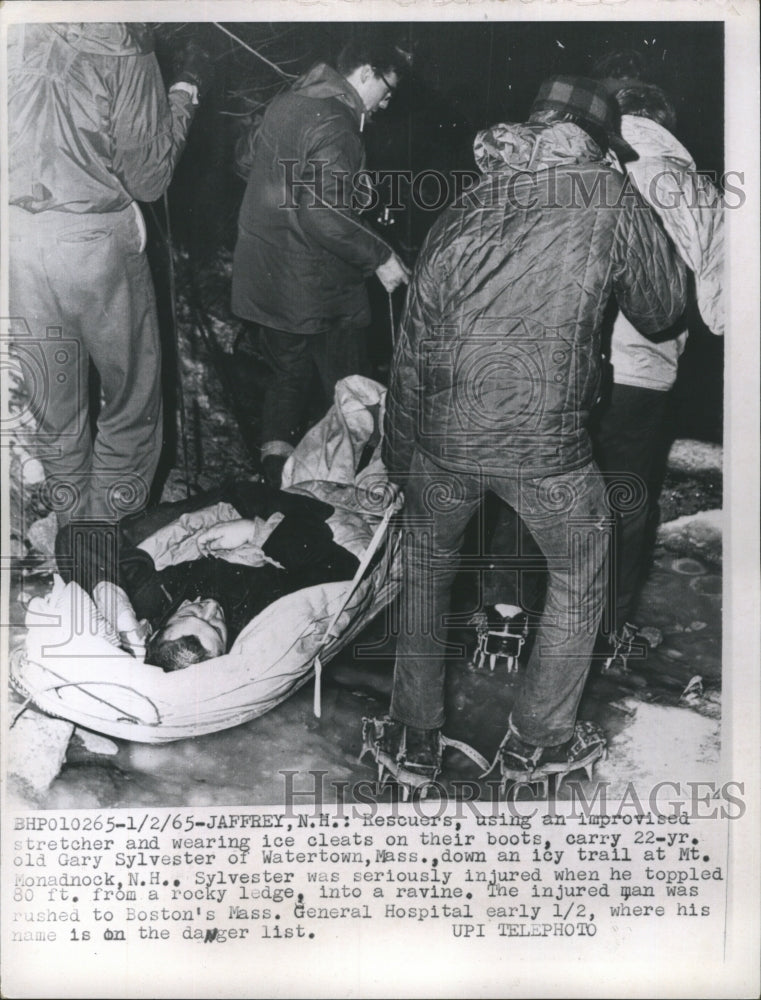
(498, 358)
(302, 544)
(303, 253)
(90, 126)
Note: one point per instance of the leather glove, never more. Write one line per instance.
(193, 65)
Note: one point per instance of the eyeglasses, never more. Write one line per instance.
(389, 87)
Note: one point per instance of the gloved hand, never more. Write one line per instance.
(193, 65)
(392, 273)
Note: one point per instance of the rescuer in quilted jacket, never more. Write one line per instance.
(495, 371)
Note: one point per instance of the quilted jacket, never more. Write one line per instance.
(303, 253)
(90, 125)
(498, 358)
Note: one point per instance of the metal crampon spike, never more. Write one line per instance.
(501, 635)
(562, 776)
(391, 764)
(485, 774)
(385, 775)
(411, 783)
(544, 784)
(588, 769)
(368, 738)
(529, 780)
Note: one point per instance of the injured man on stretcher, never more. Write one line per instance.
(194, 574)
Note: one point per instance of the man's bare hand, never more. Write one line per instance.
(392, 273)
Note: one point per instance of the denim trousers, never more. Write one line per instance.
(81, 290)
(568, 517)
(293, 359)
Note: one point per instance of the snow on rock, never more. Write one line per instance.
(660, 743)
(95, 743)
(36, 749)
(695, 535)
(691, 456)
(42, 534)
(33, 471)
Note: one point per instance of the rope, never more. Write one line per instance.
(173, 307)
(125, 716)
(38, 699)
(122, 714)
(21, 711)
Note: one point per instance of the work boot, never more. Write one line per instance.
(525, 763)
(412, 757)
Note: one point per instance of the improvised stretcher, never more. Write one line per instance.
(70, 669)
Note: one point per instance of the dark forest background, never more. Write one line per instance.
(465, 76)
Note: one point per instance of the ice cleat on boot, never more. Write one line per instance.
(501, 631)
(411, 757)
(622, 642)
(524, 763)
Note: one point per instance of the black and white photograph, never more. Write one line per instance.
(380, 467)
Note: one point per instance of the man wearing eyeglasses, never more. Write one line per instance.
(303, 252)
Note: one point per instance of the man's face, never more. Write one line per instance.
(204, 619)
(379, 89)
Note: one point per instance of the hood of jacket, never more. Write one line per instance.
(534, 146)
(689, 206)
(107, 39)
(652, 140)
(323, 82)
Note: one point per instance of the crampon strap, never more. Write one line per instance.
(466, 749)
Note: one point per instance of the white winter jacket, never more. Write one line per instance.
(689, 206)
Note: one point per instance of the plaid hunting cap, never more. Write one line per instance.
(590, 103)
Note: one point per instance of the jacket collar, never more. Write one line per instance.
(322, 82)
(533, 146)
